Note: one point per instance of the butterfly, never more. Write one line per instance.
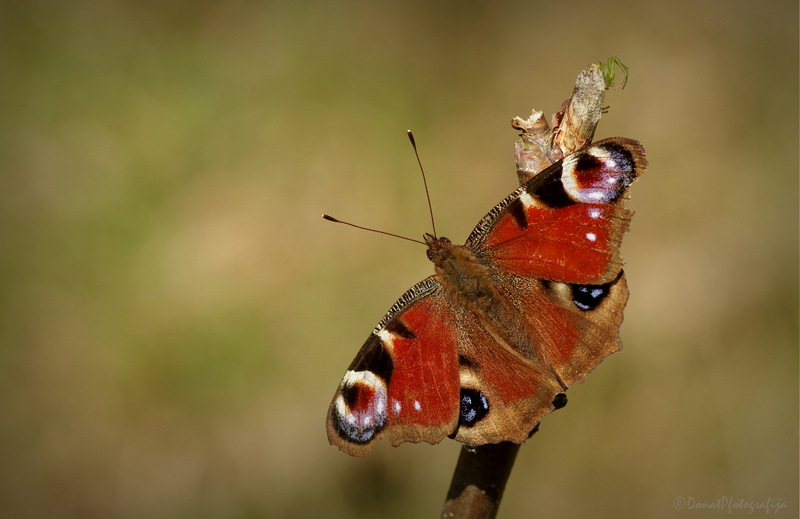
(529, 305)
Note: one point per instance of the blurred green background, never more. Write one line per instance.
(175, 315)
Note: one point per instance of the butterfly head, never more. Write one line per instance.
(438, 248)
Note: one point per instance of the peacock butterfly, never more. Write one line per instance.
(528, 306)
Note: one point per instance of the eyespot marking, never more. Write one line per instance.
(360, 410)
(589, 297)
(598, 175)
(474, 407)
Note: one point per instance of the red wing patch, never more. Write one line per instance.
(574, 244)
(423, 394)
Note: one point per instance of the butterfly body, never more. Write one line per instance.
(526, 307)
(464, 278)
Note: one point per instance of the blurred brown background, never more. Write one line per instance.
(176, 316)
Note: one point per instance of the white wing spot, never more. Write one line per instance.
(591, 236)
(594, 213)
(417, 405)
(526, 199)
(386, 338)
(397, 406)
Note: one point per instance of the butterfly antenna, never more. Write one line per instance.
(424, 180)
(336, 220)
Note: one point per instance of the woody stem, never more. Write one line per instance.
(479, 480)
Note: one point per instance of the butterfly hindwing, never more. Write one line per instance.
(503, 394)
(572, 327)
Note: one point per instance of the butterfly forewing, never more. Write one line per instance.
(566, 223)
(404, 381)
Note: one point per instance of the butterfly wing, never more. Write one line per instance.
(572, 328)
(566, 223)
(428, 370)
(552, 248)
(503, 395)
(404, 383)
